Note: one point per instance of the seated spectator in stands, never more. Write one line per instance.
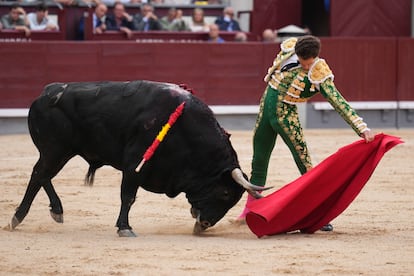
(214, 34)
(120, 20)
(173, 21)
(147, 20)
(240, 37)
(226, 21)
(39, 20)
(197, 23)
(98, 21)
(99, 18)
(268, 35)
(16, 19)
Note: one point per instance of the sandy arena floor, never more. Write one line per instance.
(374, 236)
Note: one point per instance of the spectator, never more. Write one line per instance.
(147, 20)
(268, 35)
(240, 37)
(99, 18)
(197, 23)
(173, 21)
(226, 21)
(16, 19)
(214, 34)
(39, 20)
(98, 21)
(120, 20)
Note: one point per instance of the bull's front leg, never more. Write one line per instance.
(129, 188)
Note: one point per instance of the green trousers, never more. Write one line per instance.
(277, 118)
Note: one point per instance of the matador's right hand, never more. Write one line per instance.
(368, 136)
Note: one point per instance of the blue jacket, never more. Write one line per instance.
(224, 25)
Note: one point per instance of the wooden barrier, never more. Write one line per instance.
(221, 74)
(18, 36)
(160, 36)
(404, 75)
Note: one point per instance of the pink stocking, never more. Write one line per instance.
(242, 216)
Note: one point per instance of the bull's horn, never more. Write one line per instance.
(251, 188)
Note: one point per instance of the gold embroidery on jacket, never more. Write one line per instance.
(319, 72)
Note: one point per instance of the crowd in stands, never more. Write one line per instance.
(111, 2)
(116, 18)
(18, 19)
(147, 20)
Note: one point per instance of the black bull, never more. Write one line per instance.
(113, 123)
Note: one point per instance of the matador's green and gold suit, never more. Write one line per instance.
(288, 84)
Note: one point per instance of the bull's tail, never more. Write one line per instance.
(90, 176)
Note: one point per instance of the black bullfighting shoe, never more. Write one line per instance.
(328, 227)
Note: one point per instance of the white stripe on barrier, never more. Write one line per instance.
(14, 112)
(234, 109)
(254, 109)
(380, 105)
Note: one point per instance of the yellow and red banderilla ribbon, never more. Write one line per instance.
(151, 149)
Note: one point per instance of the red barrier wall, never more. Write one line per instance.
(220, 74)
(364, 68)
(405, 77)
(370, 18)
(231, 73)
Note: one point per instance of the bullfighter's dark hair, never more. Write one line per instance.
(308, 46)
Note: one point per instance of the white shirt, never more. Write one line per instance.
(36, 26)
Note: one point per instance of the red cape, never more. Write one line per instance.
(323, 193)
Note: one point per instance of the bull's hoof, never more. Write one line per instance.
(198, 228)
(128, 233)
(13, 223)
(57, 217)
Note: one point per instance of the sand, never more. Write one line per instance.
(374, 236)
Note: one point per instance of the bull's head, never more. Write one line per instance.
(210, 208)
